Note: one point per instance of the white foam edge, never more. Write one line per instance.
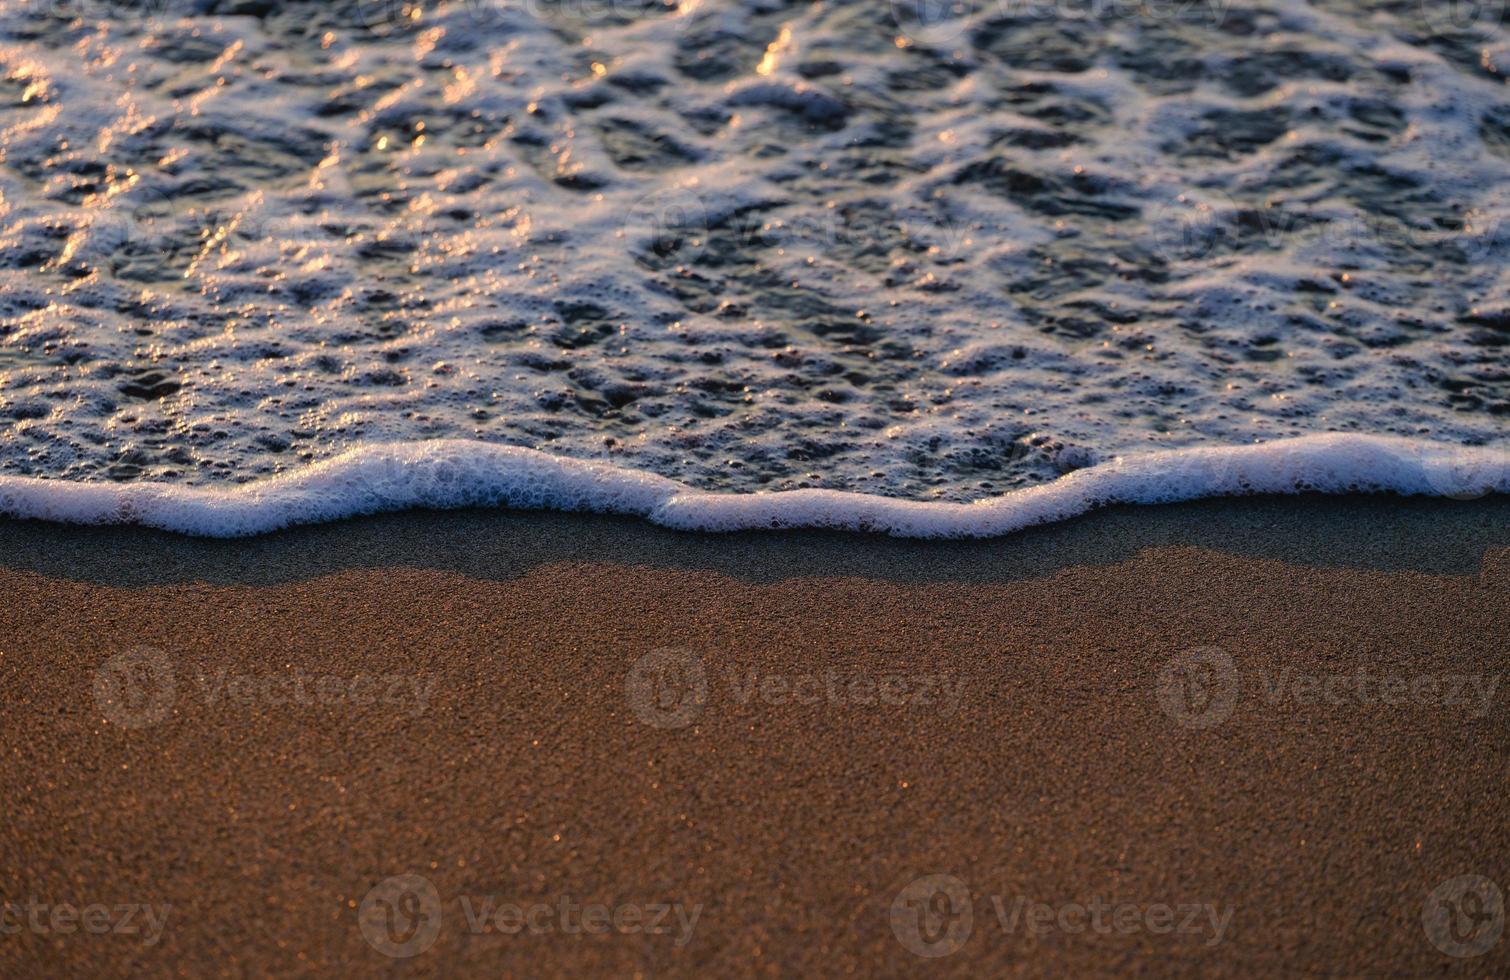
(447, 474)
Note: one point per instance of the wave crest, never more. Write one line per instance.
(446, 474)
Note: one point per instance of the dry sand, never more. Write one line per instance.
(840, 717)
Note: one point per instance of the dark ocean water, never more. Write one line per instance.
(907, 249)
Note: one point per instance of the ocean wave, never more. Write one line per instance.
(448, 474)
(910, 249)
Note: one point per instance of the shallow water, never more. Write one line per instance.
(902, 249)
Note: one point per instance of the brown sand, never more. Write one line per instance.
(545, 763)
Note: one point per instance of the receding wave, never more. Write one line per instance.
(935, 251)
(446, 474)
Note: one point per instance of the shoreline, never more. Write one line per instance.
(1207, 738)
(446, 474)
(1426, 534)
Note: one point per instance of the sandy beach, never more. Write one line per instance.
(1230, 738)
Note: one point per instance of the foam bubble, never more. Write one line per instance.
(443, 474)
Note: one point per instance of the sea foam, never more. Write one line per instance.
(443, 474)
(939, 252)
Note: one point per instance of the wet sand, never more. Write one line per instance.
(1233, 738)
